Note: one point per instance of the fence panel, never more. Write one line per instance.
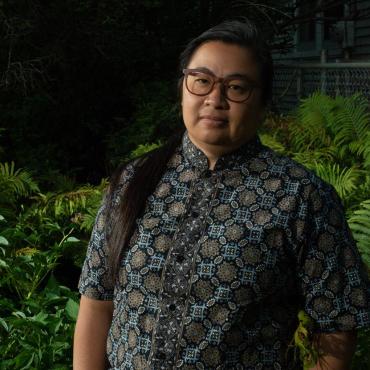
(295, 81)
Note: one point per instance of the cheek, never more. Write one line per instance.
(190, 107)
(247, 120)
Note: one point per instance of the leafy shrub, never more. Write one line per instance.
(39, 230)
(37, 312)
(37, 322)
(331, 136)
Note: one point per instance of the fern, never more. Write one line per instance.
(352, 121)
(366, 152)
(144, 148)
(360, 226)
(314, 115)
(344, 180)
(88, 219)
(15, 183)
(311, 158)
(272, 143)
(68, 203)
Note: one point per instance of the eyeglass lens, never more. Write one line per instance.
(200, 83)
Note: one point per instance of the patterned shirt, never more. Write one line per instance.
(221, 262)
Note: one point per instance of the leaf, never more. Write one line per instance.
(359, 223)
(19, 314)
(3, 241)
(41, 318)
(72, 239)
(4, 324)
(3, 264)
(344, 180)
(72, 309)
(352, 120)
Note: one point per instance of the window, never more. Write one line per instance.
(332, 14)
(318, 21)
(307, 28)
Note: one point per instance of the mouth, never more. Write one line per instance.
(213, 120)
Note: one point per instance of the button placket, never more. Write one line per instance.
(179, 271)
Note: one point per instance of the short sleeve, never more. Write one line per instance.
(95, 281)
(333, 279)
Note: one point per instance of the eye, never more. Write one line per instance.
(236, 87)
(201, 80)
(239, 87)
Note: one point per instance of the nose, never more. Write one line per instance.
(216, 97)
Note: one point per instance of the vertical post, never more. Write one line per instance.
(347, 83)
(299, 83)
(323, 58)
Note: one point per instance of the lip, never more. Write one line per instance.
(213, 119)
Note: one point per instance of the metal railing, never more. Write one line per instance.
(295, 81)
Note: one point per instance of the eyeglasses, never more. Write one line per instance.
(201, 83)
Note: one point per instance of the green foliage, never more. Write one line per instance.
(352, 123)
(272, 142)
(13, 185)
(314, 115)
(62, 204)
(37, 312)
(302, 341)
(39, 229)
(359, 223)
(344, 180)
(37, 321)
(331, 136)
(36, 333)
(144, 148)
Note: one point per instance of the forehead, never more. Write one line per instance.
(225, 59)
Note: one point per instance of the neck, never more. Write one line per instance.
(213, 152)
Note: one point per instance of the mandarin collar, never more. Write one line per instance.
(228, 161)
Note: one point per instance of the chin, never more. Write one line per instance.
(214, 139)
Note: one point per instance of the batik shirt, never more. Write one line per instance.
(221, 262)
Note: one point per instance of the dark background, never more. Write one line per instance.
(84, 82)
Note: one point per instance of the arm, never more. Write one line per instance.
(93, 322)
(337, 350)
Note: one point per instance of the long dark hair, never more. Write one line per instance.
(149, 169)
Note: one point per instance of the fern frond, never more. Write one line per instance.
(272, 143)
(359, 223)
(366, 152)
(15, 183)
(144, 148)
(344, 180)
(315, 115)
(88, 219)
(311, 158)
(352, 121)
(68, 203)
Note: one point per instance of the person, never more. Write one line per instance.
(205, 250)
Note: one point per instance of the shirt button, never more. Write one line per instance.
(208, 173)
(161, 356)
(172, 307)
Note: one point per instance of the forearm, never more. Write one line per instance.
(89, 349)
(337, 350)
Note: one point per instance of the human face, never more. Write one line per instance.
(215, 124)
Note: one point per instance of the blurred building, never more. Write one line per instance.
(331, 53)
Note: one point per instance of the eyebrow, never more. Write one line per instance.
(238, 75)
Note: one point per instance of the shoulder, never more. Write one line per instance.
(295, 177)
